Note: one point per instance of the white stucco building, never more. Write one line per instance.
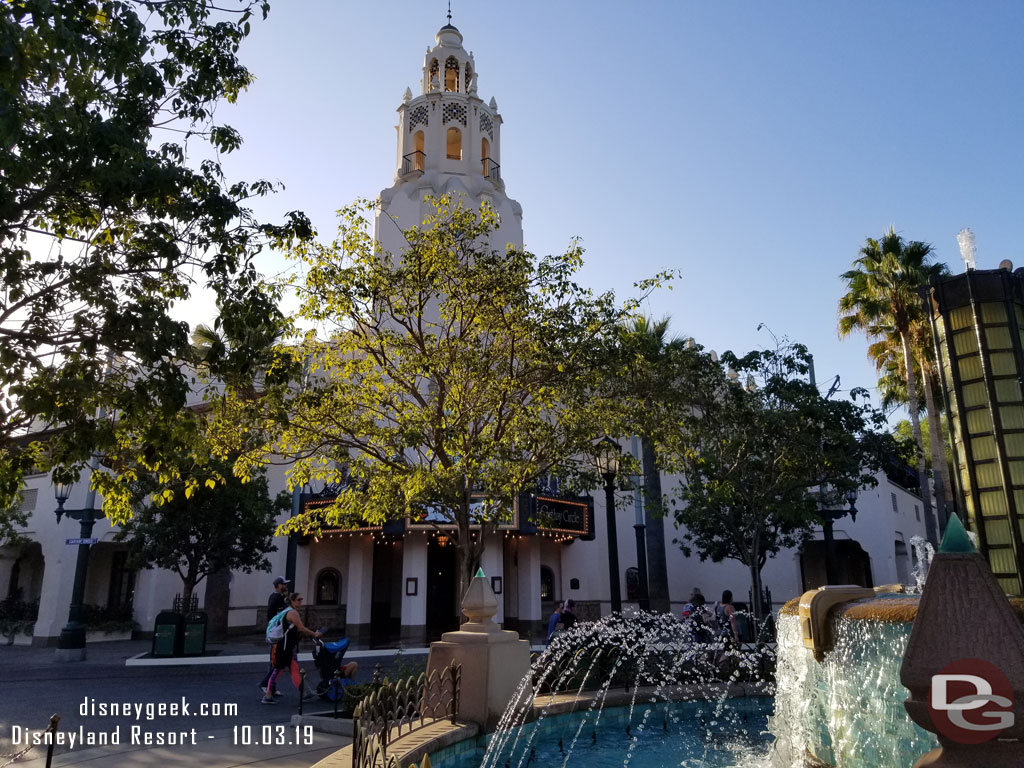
(396, 583)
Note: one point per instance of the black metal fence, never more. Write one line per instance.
(399, 708)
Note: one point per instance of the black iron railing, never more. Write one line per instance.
(413, 162)
(395, 709)
(491, 170)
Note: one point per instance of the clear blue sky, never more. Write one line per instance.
(752, 146)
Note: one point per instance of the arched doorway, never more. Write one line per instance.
(853, 565)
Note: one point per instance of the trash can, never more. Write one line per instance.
(194, 642)
(167, 633)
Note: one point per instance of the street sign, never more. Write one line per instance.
(81, 541)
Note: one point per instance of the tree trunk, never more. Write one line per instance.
(915, 422)
(216, 599)
(188, 586)
(654, 529)
(469, 551)
(943, 491)
(755, 584)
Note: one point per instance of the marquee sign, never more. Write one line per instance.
(572, 515)
(391, 527)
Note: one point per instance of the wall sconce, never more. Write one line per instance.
(411, 586)
(442, 540)
(496, 584)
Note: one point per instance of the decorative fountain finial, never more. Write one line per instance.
(479, 605)
(985, 655)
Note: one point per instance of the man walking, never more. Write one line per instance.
(276, 603)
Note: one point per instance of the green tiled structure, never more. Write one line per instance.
(978, 324)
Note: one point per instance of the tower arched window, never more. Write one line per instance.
(418, 154)
(468, 79)
(451, 75)
(485, 157)
(547, 583)
(454, 144)
(435, 69)
(328, 587)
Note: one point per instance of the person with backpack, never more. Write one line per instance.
(277, 602)
(287, 628)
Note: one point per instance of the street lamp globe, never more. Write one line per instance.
(61, 491)
(608, 455)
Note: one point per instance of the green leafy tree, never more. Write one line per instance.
(442, 381)
(643, 366)
(760, 452)
(105, 224)
(224, 523)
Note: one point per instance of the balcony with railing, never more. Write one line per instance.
(413, 162)
(491, 170)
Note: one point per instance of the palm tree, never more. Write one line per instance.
(207, 344)
(892, 383)
(882, 300)
(648, 352)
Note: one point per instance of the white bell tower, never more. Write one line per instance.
(449, 142)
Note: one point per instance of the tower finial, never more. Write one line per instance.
(449, 11)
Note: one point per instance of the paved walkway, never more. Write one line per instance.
(36, 685)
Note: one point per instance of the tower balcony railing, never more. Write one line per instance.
(491, 170)
(414, 161)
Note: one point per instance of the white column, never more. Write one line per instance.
(359, 592)
(491, 562)
(414, 607)
(530, 620)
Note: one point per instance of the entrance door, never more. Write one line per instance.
(385, 611)
(442, 584)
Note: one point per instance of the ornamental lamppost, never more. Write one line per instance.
(643, 587)
(829, 516)
(608, 453)
(71, 644)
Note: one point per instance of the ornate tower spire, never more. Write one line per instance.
(449, 142)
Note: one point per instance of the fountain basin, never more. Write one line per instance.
(649, 735)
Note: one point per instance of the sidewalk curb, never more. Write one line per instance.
(140, 660)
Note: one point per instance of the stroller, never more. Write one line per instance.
(327, 658)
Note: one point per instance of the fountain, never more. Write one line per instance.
(623, 688)
(641, 691)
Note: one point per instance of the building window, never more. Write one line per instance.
(917, 513)
(328, 587)
(485, 156)
(895, 507)
(547, 583)
(454, 144)
(434, 69)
